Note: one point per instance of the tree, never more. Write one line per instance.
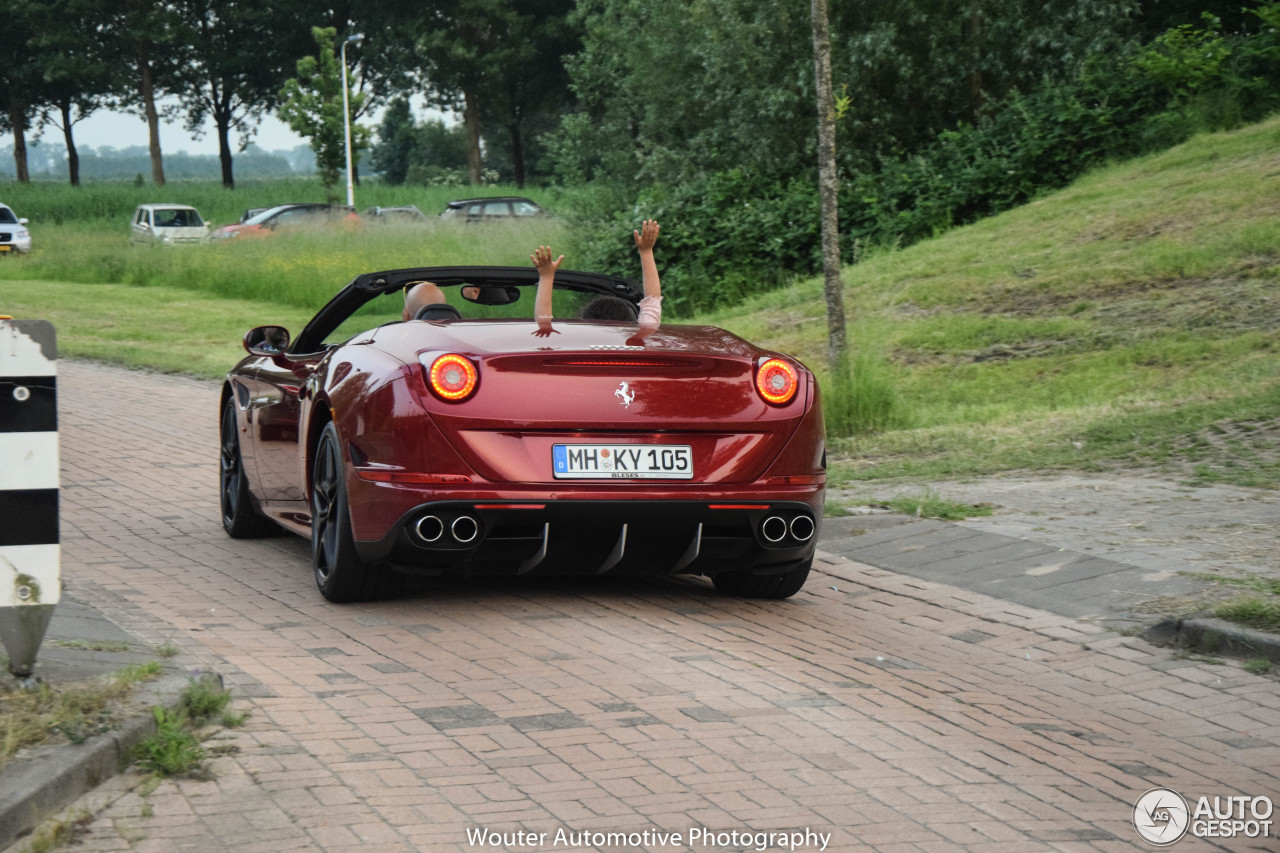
(75, 67)
(829, 188)
(18, 78)
(147, 34)
(392, 153)
(225, 80)
(497, 62)
(312, 106)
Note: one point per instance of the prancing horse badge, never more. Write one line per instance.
(625, 394)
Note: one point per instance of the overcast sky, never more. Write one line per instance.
(123, 130)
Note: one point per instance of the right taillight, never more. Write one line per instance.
(777, 381)
(452, 377)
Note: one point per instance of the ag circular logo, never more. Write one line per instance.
(1161, 816)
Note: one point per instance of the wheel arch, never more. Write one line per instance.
(321, 416)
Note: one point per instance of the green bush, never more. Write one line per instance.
(725, 236)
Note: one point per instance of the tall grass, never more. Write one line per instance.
(111, 203)
(300, 269)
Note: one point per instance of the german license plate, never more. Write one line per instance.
(5, 248)
(622, 461)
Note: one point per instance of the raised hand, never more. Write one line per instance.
(542, 261)
(647, 235)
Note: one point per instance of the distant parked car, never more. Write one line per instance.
(287, 217)
(495, 209)
(250, 213)
(14, 236)
(407, 213)
(167, 224)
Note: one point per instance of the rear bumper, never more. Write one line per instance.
(586, 537)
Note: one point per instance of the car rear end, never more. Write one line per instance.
(688, 451)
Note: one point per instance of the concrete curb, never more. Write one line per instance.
(1215, 636)
(34, 789)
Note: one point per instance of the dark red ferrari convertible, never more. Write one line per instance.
(473, 445)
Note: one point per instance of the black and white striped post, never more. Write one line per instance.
(30, 582)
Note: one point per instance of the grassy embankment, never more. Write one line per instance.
(1129, 321)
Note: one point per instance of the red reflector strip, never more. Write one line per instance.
(511, 506)
(738, 506)
(614, 364)
(410, 478)
(798, 480)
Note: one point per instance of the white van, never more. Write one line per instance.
(166, 224)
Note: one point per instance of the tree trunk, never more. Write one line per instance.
(224, 151)
(18, 121)
(471, 121)
(517, 152)
(976, 96)
(73, 156)
(148, 92)
(828, 189)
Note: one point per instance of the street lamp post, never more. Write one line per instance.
(346, 115)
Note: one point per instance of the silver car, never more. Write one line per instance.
(14, 236)
(167, 224)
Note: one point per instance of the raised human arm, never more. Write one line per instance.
(645, 238)
(546, 283)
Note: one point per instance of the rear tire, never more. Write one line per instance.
(239, 518)
(340, 574)
(748, 585)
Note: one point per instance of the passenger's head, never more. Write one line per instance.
(416, 296)
(609, 308)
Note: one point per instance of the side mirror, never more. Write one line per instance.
(267, 341)
(23, 221)
(491, 294)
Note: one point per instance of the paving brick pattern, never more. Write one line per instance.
(895, 713)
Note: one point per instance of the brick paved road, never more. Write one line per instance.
(893, 713)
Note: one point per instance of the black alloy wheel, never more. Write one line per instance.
(339, 572)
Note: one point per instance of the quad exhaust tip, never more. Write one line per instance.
(802, 528)
(465, 529)
(773, 528)
(429, 528)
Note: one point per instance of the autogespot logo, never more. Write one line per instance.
(1161, 816)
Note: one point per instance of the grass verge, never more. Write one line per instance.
(73, 712)
(928, 504)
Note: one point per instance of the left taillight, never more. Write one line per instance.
(451, 376)
(777, 381)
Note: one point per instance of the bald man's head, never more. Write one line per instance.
(419, 295)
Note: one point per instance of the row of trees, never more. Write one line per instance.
(496, 62)
(631, 90)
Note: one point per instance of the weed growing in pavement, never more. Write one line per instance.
(1258, 666)
(167, 650)
(834, 510)
(232, 719)
(204, 697)
(929, 505)
(74, 712)
(61, 831)
(1253, 611)
(173, 750)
